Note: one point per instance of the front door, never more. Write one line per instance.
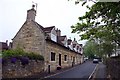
(60, 59)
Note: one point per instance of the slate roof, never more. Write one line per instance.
(48, 29)
(60, 39)
(62, 46)
(3, 45)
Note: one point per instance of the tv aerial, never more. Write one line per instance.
(34, 5)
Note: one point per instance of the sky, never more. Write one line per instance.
(59, 13)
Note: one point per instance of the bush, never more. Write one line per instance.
(34, 56)
(24, 60)
(13, 60)
(19, 54)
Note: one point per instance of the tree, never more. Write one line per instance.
(90, 49)
(101, 22)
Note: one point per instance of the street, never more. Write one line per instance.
(81, 71)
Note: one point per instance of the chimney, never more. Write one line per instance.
(74, 39)
(58, 32)
(31, 14)
(7, 42)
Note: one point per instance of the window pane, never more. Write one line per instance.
(52, 56)
(65, 57)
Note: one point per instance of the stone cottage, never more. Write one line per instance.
(48, 42)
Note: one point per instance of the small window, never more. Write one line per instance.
(65, 57)
(52, 56)
(80, 49)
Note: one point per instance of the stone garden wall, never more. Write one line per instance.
(113, 68)
(18, 70)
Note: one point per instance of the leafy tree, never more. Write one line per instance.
(101, 23)
(90, 49)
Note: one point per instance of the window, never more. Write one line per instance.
(52, 56)
(65, 57)
(80, 49)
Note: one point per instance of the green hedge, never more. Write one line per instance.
(20, 53)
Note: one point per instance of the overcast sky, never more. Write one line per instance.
(59, 13)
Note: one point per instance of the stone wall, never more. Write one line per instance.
(30, 38)
(113, 68)
(11, 70)
(57, 49)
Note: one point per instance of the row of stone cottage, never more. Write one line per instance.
(48, 42)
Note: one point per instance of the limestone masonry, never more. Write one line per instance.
(57, 50)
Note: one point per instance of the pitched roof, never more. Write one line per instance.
(48, 29)
(61, 38)
(38, 25)
(35, 23)
(63, 46)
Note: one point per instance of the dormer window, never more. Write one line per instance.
(53, 37)
(51, 33)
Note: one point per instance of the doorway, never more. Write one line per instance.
(60, 59)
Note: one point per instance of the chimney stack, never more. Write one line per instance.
(74, 39)
(7, 42)
(58, 32)
(31, 14)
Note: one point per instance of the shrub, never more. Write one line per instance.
(24, 60)
(13, 60)
(24, 57)
(35, 56)
(3, 61)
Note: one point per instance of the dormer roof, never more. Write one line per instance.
(48, 29)
(74, 45)
(69, 41)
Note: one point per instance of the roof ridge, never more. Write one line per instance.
(49, 27)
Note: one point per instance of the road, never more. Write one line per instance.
(81, 71)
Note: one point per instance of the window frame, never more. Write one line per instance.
(65, 57)
(52, 59)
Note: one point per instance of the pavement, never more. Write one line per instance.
(100, 72)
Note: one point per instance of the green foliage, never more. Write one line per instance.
(90, 49)
(13, 53)
(20, 53)
(35, 56)
(102, 22)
